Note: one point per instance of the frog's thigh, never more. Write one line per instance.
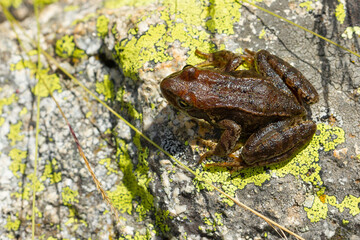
(277, 142)
(279, 70)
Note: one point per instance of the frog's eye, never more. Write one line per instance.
(187, 66)
(182, 103)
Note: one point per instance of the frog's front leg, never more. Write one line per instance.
(274, 143)
(227, 142)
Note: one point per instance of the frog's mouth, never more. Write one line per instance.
(171, 88)
(164, 86)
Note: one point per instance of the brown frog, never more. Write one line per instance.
(263, 105)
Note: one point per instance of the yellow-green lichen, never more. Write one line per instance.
(12, 225)
(23, 192)
(37, 213)
(107, 162)
(7, 101)
(135, 181)
(24, 64)
(340, 13)
(223, 15)
(161, 219)
(132, 112)
(308, 5)
(52, 80)
(70, 8)
(134, 51)
(36, 184)
(88, 114)
(23, 111)
(11, 3)
(14, 134)
(43, 3)
(69, 196)
(106, 87)
(50, 172)
(349, 31)
(262, 34)
(74, 220)
(111, 4)
(345, 222)
(350, 202)
(65, 48)
(213, 222)
(102, 26)
(318, 210)
(150, 234)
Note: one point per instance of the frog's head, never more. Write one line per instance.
(175, 88)
(179, 90)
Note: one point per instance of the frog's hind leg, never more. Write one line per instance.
(277, 142)
(281, 71)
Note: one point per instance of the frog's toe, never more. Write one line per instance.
(205, 155)
(207, 143)
(234, 165)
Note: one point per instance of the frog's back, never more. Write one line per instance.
(253, 96)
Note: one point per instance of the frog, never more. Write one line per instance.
(263, 108)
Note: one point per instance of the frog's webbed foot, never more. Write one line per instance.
(234, 165)
(249, 58)
(223, 60)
